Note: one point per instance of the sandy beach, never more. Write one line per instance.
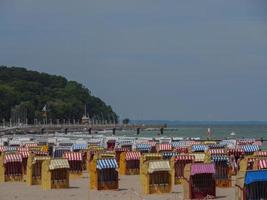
(130, 189)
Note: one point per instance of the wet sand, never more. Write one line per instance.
(130, 189)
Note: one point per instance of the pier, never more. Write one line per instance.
(68, 128)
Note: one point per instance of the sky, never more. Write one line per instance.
(148, 59)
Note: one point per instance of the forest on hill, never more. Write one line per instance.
(26, 94)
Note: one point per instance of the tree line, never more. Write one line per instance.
(26, 93)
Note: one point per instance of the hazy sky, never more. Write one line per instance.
(149, 59)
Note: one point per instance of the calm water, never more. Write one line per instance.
(218, 132)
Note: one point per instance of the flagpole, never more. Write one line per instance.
(45, 114)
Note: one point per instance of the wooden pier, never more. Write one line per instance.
(52, 128)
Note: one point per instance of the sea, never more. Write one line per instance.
(217, 132)
(200, 130)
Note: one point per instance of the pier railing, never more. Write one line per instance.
(26, 128)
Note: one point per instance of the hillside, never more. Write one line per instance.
(24, 93)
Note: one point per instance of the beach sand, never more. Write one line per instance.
(130, 189)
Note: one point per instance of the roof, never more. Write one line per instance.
(95, 141)
(251, 159)
(262, 164)
(11, 148)
(181, 149)
(250, 148)
(37, 148)
(235, 151)
(209, 142)
(199, 157)
(149, 155)
(79, 146)
(179, 144)
(216, 146)
(257, 142)
(156, 166)
(199, 147)
(73, 156)
(255, 176)
(169, 154)
(12, 158)
(62, 148)
(110, 163)
(217, 151)
(220, 158)
(143, 147)
(152, 143)
(245, 141)
(59, 164)
(2, 148)
(228, 142)
(164, 147)
(111, 141)
(31, 145)
(191, 142)
(37, 158)
(25, 154)
(65, 144)
(58, 152)
(261, 153)
(122, 149)
(96, 148)
(124, 142)
(133, 155)
(200, 168)
(22, 149)
(40, 153)
(107, 155)
(184, 157)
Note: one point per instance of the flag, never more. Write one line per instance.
(209, 132)
(44, 108)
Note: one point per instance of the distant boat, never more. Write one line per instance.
(232, 133)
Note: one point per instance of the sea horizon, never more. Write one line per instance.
(200, 122)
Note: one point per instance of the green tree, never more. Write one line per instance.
(126, 121)
(31, 90)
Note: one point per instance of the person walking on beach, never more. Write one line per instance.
(233, 164)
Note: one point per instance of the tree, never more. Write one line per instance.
(32, 90)
(126, 121)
